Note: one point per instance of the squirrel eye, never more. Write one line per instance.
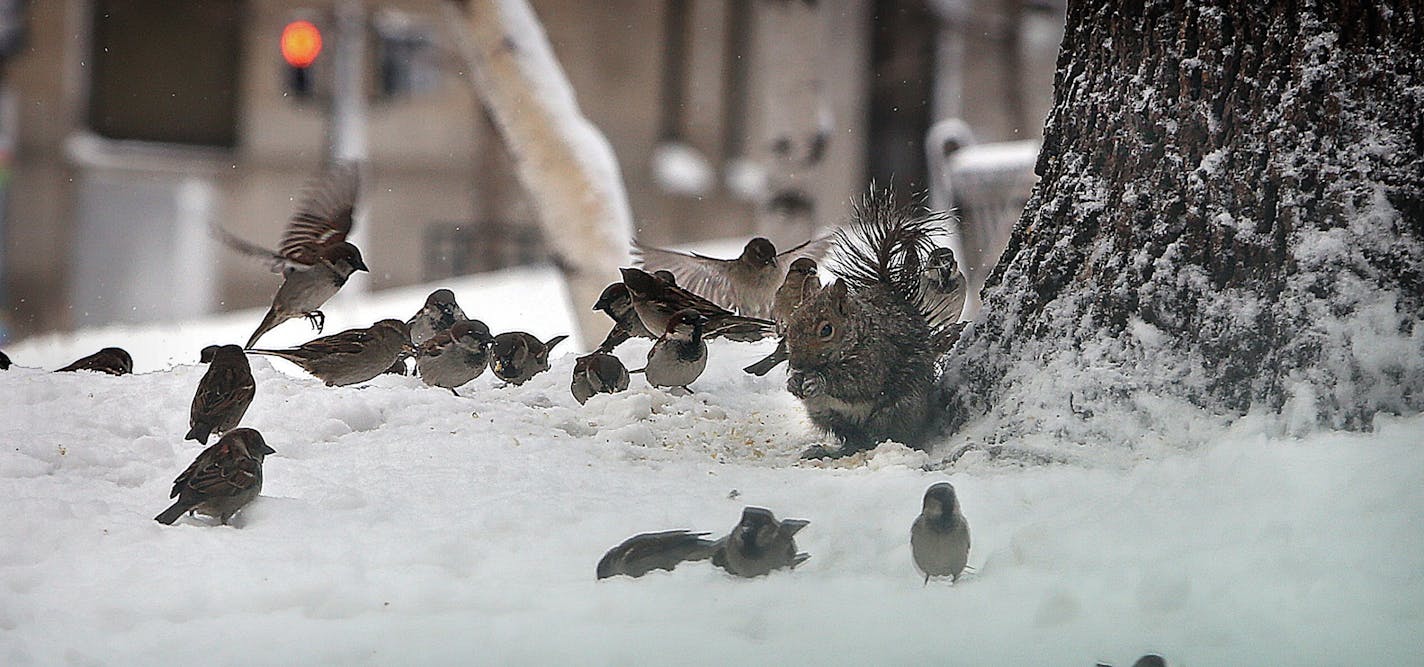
(826, 330)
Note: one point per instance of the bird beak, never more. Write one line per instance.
(360, 265)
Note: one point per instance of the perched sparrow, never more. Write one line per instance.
(517, 356)
(680, 356)
(655, 301)
(641, 554)
(111, 360)
(4, 362)
(746, 284)
(224, 478)
(760, 544)
(939, 538)
(944, 286)
(223, 394)
(315, 259)
(801, 282)
(597, 373)
(801, 279)
(618, 305)
(455, 356)
(352, 356)
(438, 314)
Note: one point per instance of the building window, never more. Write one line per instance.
(166, 70)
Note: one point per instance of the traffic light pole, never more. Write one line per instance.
(346, 112)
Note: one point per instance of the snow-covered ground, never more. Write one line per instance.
(402, 525)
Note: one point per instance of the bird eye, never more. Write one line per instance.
(826, 330)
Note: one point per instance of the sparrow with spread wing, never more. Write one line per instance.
(746, 284)
(314, 258)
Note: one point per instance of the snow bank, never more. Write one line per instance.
(400, 524)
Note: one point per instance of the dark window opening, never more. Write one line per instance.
(166, 70)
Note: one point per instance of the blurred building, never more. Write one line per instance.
(129, 126)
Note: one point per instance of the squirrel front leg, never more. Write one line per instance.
(805, 384)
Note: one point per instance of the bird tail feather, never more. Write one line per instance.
(172, 513)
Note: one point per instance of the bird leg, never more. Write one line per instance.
(317, 320)
(456, 393)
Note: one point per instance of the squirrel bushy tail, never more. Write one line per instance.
(886, 243)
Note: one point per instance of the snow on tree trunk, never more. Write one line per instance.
(1230, 212)
(564, 162)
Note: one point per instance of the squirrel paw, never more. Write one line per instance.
(821, 452)
(804, 385)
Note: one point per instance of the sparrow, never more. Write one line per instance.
(943, 285)
(618, 305)
(111, 360)
(438, 314)
(680, 356)
(801, 282)
(4, 362)
(939, 538)
(314, 258)
(223, 394)
(352, 356)
(746, 284)
(516, 356)
(641, 554)
(455, 356)
(759, 544)
(225, 477)
(655, 301)
(597, 373)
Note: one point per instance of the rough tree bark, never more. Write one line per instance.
(1230, 212)
(565, 163)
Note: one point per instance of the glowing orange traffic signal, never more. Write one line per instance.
(301, 43)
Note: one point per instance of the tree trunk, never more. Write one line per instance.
(565, 163)
(1230, 212)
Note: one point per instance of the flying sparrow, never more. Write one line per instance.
(315, 259)
(746, 284)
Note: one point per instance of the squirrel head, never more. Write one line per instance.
(822, 329)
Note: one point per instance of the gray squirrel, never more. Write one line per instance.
(863, 350)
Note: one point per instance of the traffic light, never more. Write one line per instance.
(301, 45)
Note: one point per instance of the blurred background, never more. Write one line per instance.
(127, 127)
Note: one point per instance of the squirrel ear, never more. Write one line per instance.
(838, 296)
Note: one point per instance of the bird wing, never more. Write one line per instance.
(274, 261)
(324, 218)
(816, 249)
(225, 476)
(229, 387)
(699, 274)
